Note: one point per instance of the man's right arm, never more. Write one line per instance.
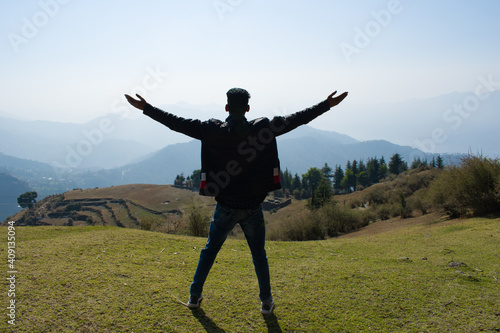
(190, 127)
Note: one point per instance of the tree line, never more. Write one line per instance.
(319, 184)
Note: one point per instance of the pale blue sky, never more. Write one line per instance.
(84, 55)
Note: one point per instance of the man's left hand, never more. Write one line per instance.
(139, 104)
(335, 100)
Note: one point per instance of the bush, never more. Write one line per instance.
(170, 225)
(337, 219)
(146, 223)
(383, 212)
(377, 195)
(470, 188)
(198, 220)
(405, 209)
(296, 194)
(420, 201)
(330, 220)
(299, 228)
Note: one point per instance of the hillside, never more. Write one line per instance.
(122, 206)
(126, 206)
(429, 276)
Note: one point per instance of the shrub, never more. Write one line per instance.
(198, 220)
(420, 201)
(470, 188)
(405, 209)
(301, 227)
(377, 195)
(89, 220)
(336, 219)
(171, 224)
(146, 223)
(382, 211)
(296, 194)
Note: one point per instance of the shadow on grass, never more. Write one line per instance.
(272, 323)
(206, 322)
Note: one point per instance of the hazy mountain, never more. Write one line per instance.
(299, 150)
(115, 150)
(448, 123)
(105, 142)
(451, 123)
(10, 189)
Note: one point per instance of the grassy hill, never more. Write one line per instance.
(123, 206)
(131, 206)
(423, 274)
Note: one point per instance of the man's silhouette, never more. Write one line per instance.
(239, 167)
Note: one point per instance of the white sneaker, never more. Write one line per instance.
(194, 302)
(267, 307)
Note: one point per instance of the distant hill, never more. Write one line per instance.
(101, 143)
(442, 124)
(105, 142)
(299, 150)
(10, 189)
(457, 122)
(42, 177)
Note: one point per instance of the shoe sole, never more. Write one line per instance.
(195, 305)
(266, 312)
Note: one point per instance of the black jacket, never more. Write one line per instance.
(239, 158)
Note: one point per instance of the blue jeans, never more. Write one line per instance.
(252, 224)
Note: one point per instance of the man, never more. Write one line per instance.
(239, 166)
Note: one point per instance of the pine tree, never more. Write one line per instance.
(327, 172)
(372, 170)
(397, 165)
(337, 179)
(349, 181)
(354, 167)
(439, 162)
(322, 194)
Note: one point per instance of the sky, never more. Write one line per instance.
(72, 60)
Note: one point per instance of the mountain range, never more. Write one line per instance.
(299, 150)
(53, 157)
(458, 122)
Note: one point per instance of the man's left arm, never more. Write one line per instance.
(285, 124)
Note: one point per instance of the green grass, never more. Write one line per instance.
(108, 279)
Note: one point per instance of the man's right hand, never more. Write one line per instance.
(333, 101)
(139, 104)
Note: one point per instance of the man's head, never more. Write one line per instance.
(237, 101)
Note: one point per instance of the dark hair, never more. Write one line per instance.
(237, 99)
